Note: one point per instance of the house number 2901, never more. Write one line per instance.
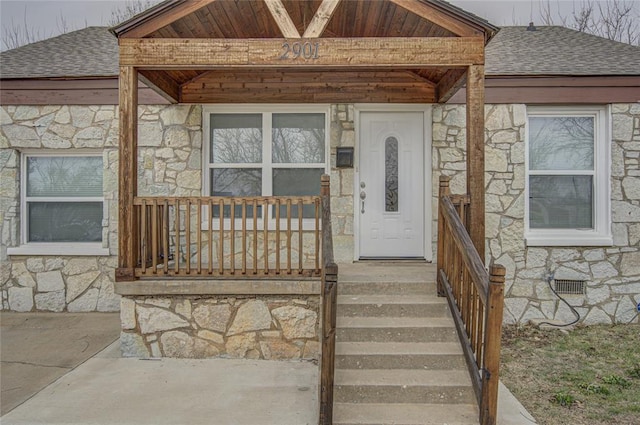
(297, 50)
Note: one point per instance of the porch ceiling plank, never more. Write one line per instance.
(450, 83)
(167, 17)
(212, 79)
(430, 13)
(321, 19)
(391, 52)
(162, 84)
(367, 92)
(282, 18)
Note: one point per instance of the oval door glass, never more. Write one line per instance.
(391, 174)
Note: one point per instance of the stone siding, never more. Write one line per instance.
(170, 146)
(342, 135)
(261, 327)
(612, 273)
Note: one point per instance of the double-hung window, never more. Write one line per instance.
(568, 202)
(258, 151)
(62, 204)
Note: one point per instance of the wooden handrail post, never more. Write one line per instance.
(491, 367)
(128, 233)
(329, 300)
(475, 155)
(443, 190)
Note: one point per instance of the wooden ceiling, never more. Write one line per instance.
(271, 19)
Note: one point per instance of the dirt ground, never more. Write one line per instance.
(587, 376)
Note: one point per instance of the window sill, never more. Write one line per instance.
(60, 249)
(569, 240)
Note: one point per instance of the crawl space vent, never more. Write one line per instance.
(569, 287)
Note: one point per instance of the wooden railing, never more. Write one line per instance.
(227, 236)
(329, 300)
(475, 296)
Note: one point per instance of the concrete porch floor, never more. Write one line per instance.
(108, 389)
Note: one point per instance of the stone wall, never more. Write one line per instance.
(612, 273)
(170, 145)
(342, 135)
(261, 327)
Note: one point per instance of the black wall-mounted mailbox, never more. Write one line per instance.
(344, 157)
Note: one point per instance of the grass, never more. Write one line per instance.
(588, 376)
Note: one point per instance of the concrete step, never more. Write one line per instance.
(407, 361)
(404, 414)
(397, 348)
(387, 272)
(399, 355)
(389, 299)
(397, 334)
(429, 307)
(389, 288)
(403, 386)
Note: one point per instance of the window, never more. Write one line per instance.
(257, 153)
(62, 204)
(568, 200)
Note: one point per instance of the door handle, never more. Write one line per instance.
(363, 196)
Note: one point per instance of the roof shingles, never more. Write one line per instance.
(89, 52)
(558, 51)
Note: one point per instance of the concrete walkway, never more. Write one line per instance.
(63, 388)
(38, 348)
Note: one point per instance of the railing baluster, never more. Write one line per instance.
(265, 220)
(277, 236)
(154, 236)
(300, 249)
(165, 237)
(187, 234)
(317, 234)
(244, 236)
(288, 236)
(143, 236)
(199, 234)
(221, 237)
(176, 256)
(232, 238)
(210, 227)
(255, 236)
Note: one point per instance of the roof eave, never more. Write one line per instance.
(145, 16)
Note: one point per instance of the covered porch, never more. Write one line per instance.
(201, 252)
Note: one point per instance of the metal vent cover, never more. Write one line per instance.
(569, 286)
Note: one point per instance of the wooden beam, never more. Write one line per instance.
(165, 18)
(475, 155)
(321, 19)
(378, 52)
(432, 14)
(450, 83)
(127, 172)
(162, 84)
(282, 18)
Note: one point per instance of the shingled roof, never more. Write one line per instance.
(89, 52)
(558, 51)
(93, 52)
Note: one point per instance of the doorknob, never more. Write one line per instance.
(363, 196)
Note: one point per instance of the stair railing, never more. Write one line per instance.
(329, 300)
(475, 296)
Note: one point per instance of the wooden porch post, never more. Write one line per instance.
(475, 154)
(127, 174)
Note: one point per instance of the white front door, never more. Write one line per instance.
(391, 187)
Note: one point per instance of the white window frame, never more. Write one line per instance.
(56, 248)
(266, 166)
(601, 234)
